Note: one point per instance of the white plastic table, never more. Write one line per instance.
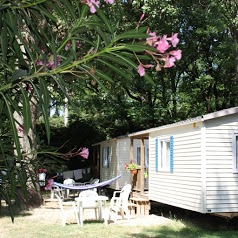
(101, 202)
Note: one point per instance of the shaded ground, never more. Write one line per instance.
(202, 220)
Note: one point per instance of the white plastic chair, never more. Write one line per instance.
(56, 190)
(87, 201)
(119, 203)
(89, 182)
(94, 181)
(67, 209)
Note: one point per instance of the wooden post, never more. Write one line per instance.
(132, 151)
(133, 177)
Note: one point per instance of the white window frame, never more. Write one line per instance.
(164, 155)
(235, 152)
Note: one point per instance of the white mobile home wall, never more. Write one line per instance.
(119, 155)
(221, 183)
(202, 179)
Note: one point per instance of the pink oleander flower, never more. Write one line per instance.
(176, 53)
(142, 16)
(91, 4)
(174, 39)
(84, 152)
(141, 70)
(169, 61)
(39, 62)
(51, 63)
(163, 44)
(68, 45)
(78, 45)
(41, 170)
(152, 40)
(49, 184)
(43, 50)
(20, 129)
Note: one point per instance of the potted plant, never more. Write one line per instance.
(132, 167)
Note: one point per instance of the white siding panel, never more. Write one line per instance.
(119, 155)
(212, 198)
(123, 157)
(196, 206)
(222, 184)
(219, 193)
(182, 188)
(198, 173)
(218, 179)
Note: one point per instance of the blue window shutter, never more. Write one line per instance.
(156, 154)
(171, 154)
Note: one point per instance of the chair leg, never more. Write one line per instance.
(122, 213)
(116, 216)
(96, 213)
(76, 216)
(52, 194)
(110, 214)
(81, 216)
(126, 211)
(63, 219)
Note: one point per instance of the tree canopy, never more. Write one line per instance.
(50, 47)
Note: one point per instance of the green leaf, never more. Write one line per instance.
(60, 12)
(17, 74)
(84, 11)
(13, 125)
(104, 36)
(112, 58)
(117, 70)
(47, 13)
(70, 9)
(104, 76)
(44, 99)
(88, 70)
(4, 42)
(134, 34)
(133, 65)
(130, 35)
(138, 47)
(105, 20)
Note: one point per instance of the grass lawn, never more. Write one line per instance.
(24, 227)
(46, 222)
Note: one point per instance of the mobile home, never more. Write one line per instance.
(113, 154)
(193, 164)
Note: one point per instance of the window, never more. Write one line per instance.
(146, 157)
(138, 156)
(235, 152)
(105, 157)
(164, 154)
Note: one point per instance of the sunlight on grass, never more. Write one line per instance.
(42, 224)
